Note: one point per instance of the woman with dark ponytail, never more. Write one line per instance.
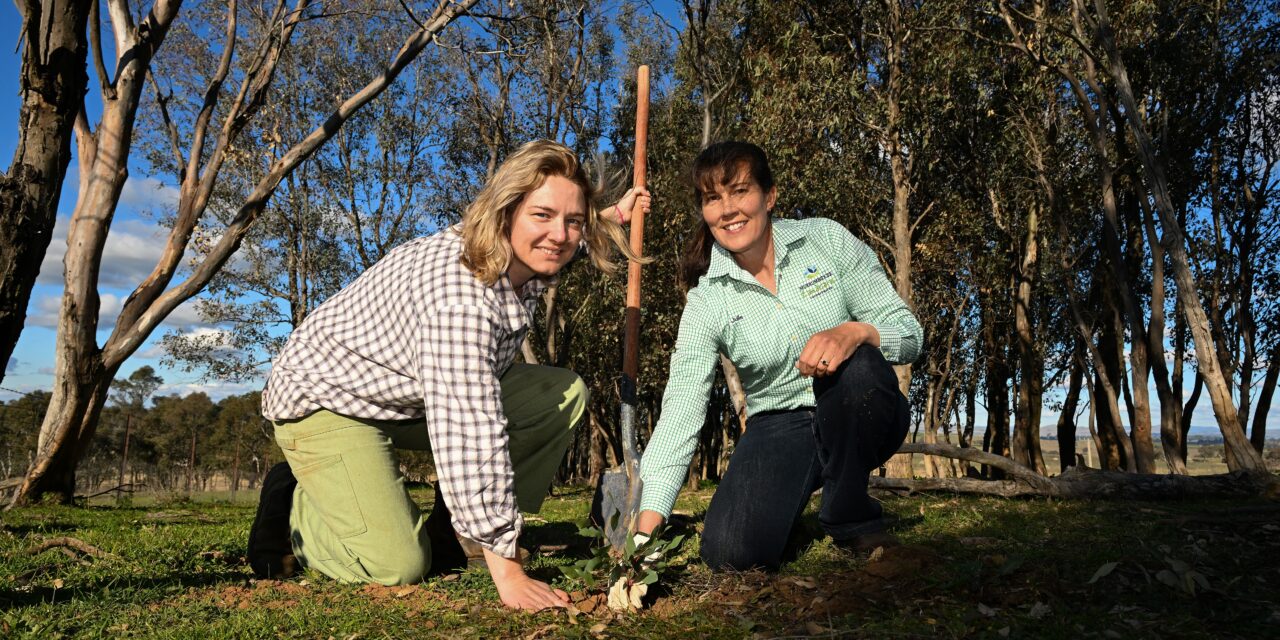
(805, 312)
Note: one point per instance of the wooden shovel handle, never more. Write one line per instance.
(631, 334)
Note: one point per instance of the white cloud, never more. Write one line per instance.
(185, 317)
(148, 194)
(215, 390)
(47, 308)
(132, 250)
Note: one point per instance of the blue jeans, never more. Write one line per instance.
(860, 420)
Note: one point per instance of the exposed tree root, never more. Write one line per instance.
(65, 544)
(1076, 482)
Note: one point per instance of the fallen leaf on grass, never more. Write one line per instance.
(985, 610)
(815, 629)
(1103, 571)
(405, 591)
(1039, 610)
(598, 628)
(806, 583)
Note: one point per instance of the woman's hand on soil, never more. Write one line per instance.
(517, 590)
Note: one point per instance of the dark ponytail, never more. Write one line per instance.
(696, 257)
(717, 165)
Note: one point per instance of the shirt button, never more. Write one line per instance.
(793, 338)
(779, 305)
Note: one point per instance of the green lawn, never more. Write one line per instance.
(971, 567)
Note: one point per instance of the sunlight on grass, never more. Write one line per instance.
(970, 567)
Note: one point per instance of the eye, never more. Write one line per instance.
(577, 222)
(542, 215)
(710, 197)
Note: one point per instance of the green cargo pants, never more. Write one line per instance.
(352, 517)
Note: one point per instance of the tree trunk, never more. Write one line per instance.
(1067, 419)
(235, 471)
(900, 168)
(1258, 436)
(1026, 433)
(1116, 451)
(1128, 312)
(1241, 454)
(191, 461)
(53, 80)
(67, 431)
(124, 451)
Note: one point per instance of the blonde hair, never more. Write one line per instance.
(486, 225)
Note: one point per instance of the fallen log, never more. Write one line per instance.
(1018, 471)
(1078, 482)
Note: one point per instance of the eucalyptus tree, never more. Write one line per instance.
(83, 368)
(52, 81)
(1088, 51)
(373, 187)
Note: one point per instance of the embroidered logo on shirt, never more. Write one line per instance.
(817, 284)
(735, 319)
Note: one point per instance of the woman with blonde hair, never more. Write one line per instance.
(417, 353)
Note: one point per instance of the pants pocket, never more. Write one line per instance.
(328, 485)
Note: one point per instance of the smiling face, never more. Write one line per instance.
(545, 230)
(738, 214)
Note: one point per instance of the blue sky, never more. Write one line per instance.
(131, 252)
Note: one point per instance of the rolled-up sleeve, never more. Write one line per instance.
(468, 427)
(684, 407)
(870, 297)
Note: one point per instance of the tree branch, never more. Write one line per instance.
(124, 343)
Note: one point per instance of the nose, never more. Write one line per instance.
(729, 204)
(559, 232)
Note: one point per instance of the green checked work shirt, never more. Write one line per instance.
(825, 277)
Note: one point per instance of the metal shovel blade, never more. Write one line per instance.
(617, 499)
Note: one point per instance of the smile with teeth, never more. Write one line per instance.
(735, 226)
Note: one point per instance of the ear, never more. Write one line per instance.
(771, 198)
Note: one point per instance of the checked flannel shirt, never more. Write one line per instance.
(418, 336)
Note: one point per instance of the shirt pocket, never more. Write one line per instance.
(761, 339)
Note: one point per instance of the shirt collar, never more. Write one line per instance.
(785, 235)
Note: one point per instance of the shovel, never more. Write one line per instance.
(617, 499)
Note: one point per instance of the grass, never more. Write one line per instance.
(970, 567)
